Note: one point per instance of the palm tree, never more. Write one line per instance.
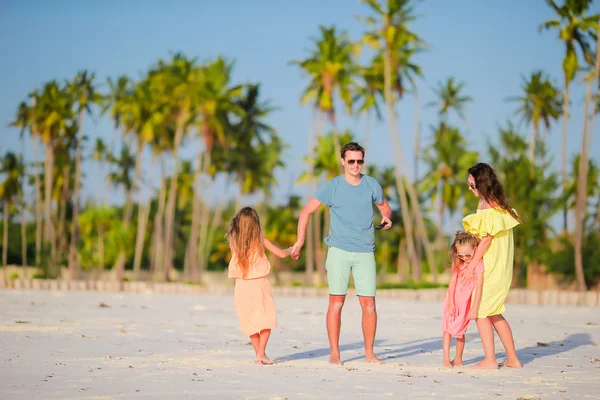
(450, 98)
(582, 180)
(22, 121)
(332, 69)
(448, 158)
(52, 116)
(530, 189)
(121, 176)
(369, 95)
(178, 85)
(216, 102)
(390, 34)
(540, 103)
(575, 29)
(85, 95)
(10, 188)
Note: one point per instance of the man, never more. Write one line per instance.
(351, 243)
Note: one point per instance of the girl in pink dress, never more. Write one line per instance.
(249, 265)
(462, 300)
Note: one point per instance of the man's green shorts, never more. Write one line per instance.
(340, 263)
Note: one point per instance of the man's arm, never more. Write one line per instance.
(386, 213)
(310, 207)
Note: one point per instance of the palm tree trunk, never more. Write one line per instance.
(143, 214)
(48, 227)
(564, 151)
(128, 211)
(581, 197)
(158, 265)
(62, 223)
(310, 256)
(532, 142)
(417, 144)
(5, 236)
(398, 157)
(38, 204)
(203, 236)
(24, 243)
(400, 270)
(368, 132)
(203, 165)
(170, 212)
(73, 266)
(214, 227)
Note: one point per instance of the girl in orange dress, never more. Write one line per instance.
(249, 265)
(462, 299)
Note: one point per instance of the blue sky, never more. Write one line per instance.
(487, 44)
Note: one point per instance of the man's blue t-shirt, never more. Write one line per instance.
(351, 226)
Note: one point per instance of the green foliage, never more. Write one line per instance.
(410, 284)
(561, 260)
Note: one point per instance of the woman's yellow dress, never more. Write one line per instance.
(497, 260)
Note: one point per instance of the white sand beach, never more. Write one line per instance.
(93, 345)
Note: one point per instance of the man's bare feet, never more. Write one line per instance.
(456, 363)
(373, 360)
(512, 364)
(263, 360)
(485, 364)
(335, 360)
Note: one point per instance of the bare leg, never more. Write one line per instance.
(369, 327)
(334, 324)
(506, 336)
(446, 341)
(261, 356)
(460, 348)
(255, 340)
(486, 332)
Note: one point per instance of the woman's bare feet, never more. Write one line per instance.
(485, 364)
(512, 363)
(447, 364)
(373, 360)
(456, 363)
(263, 360)
(335, 360)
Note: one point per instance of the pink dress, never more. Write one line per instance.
(457, 324)
(254, 304)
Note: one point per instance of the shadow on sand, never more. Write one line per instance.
(543, 349)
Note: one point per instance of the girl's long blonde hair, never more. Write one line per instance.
(461, 238)
(245, 237)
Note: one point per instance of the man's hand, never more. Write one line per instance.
(388, 223)
(296, 249)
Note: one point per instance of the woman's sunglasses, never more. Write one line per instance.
(351, 162)
(472, 186)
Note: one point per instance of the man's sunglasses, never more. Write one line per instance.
(351, 162)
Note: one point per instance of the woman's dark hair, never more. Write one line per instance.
(490, 188)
